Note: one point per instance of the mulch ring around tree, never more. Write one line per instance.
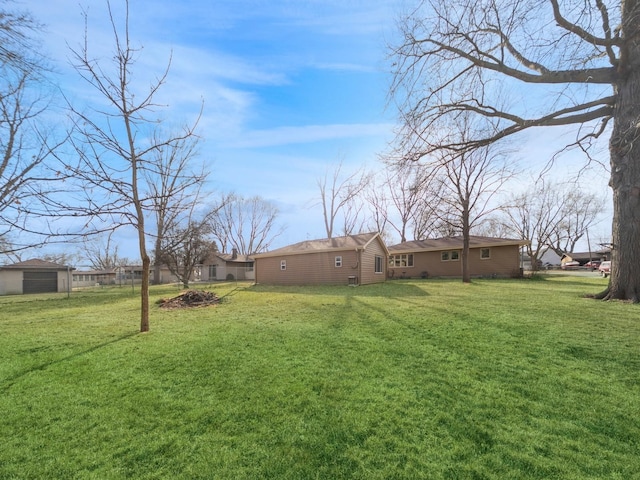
(190, 299)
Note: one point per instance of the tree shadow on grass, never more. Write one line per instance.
(8, 382)
(386, 290)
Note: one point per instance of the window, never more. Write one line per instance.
(283, 264)
(404, 260)
(485, 253)
(378, 264)
(338, 261)
(452, 256)
(213, 274)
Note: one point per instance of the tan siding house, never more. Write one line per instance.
(228, 266)
(442, 257)
(351, 260)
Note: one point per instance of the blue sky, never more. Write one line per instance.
(290, 88)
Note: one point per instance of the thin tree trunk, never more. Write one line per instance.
(466, 277)
(156, 265)
(144, 294)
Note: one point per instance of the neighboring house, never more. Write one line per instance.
(34, 276)
(122, 275)
(228, 266)
(442, 257)
(584, 257)
(548, 259)
(351, 260)
(90, 278)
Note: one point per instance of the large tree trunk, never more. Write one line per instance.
(625, 168)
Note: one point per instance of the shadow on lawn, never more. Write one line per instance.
(563, 279)
(386, 290)
(8, 382)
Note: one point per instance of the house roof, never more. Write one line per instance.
(108, 271)
(36, 264)
(586, 255)
(349, 242)
(453, 243)
(228, 257)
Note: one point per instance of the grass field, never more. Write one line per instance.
(504, 379)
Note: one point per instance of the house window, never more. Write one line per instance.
(403, 260)
(485, 253)
(283, 264)
(378, 264)
(213, 274)
(338, 261)
(452, 256)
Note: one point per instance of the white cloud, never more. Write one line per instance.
(307, 134)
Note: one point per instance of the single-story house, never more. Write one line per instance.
(90, 278)
(584, 257)
(548, 259)
(34, 276)
(228, 266)
(350, 260)
(442, 257)
(121, 275)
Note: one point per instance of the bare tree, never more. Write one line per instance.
(26, 143)
(495, 226)
(18, 51)
(409, 187)
(247, 225)
(6, 249)
(466, 184)
(114, 143)
(552, 216)
(575, 63)
(339, 196)
(62, 258)
(378, 202)
(173, 188)
(184, 248)
(101, 253)
(581, 213)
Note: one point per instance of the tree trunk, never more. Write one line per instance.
(156, 263)
(144, 294)
(146, 261)
(624, 281)
(466, 276)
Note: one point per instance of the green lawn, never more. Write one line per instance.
(504, 379)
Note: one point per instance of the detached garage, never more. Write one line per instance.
(34, 276)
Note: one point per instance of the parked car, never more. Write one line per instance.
(570, 265)
(593, 264)
(605, 269)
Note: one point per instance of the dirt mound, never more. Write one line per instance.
(190, 298)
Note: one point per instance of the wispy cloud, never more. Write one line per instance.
(307, 134)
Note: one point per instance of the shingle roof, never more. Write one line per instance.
(36, 263)
(228, 257)
(445, 243)
(349, 242)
